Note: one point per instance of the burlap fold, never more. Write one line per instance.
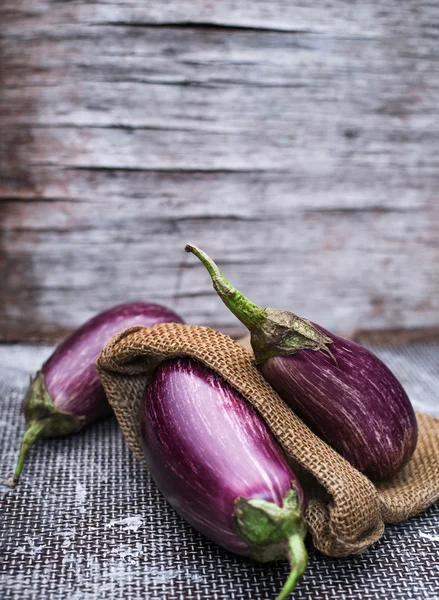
(346, 511)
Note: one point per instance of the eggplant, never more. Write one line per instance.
(218, 465)
(342, 391)
(66, 394)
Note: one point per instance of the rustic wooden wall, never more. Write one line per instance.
(296, 142)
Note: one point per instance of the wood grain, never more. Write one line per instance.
(297, 144)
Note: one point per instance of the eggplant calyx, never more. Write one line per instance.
(43, 419)
(283, 333)
(273, 332)
(274, 532)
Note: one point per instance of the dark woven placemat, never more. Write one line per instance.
(88, 523)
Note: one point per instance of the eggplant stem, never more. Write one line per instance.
(250, 315)
(32, 433)
(298, 560)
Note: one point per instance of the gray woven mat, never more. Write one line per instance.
(87, 521)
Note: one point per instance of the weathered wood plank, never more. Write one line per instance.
(280, 137)
(208, 193)
(315, 251)
(335, 17)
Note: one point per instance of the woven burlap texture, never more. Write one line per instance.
(349, 512)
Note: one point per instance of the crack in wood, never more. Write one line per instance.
(204, 26)
(174, 170)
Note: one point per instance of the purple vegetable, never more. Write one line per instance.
(67, 393)
(218, 465)
(342, 391)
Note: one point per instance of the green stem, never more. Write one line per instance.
(250, 315)
(32, 433)
(273, 332)
(298, 561)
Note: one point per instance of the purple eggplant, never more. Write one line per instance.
(341, 390)
(66, 393)
(218, 465)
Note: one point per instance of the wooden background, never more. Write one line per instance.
(297, 143)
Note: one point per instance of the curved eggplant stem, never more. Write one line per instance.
(32, 433)
(298, 559)
(250, 314)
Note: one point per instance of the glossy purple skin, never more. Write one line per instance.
(70, 374)
(205, 447)
(357, 406)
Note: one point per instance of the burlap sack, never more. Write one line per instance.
(346, 512)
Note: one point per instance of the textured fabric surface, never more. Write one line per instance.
(351, 512)
(88, 523)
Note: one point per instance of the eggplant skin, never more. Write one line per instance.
(206, 447)
(356, 405)
(70, 375)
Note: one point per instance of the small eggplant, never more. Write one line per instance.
(343, 392)
(220, 468)
(66, 393)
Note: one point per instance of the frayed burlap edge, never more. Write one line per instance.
(348, 513)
